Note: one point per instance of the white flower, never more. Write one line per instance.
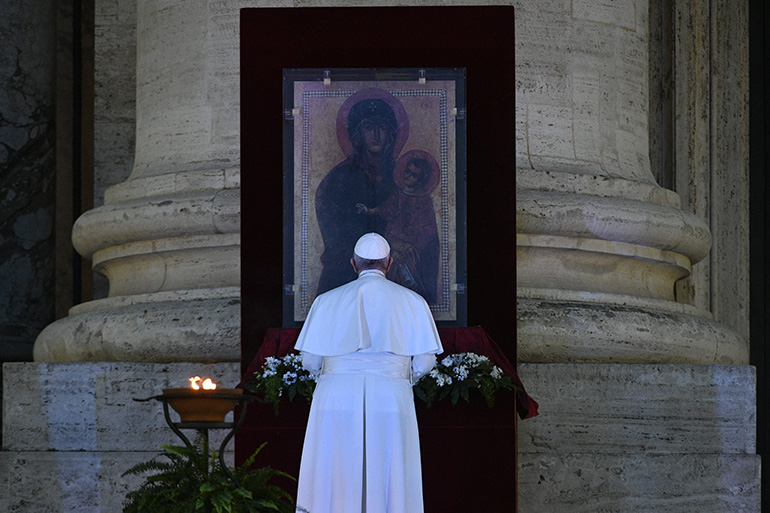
(447, 361)
(440, 378)
(461, 372)
(497, 372)
(289, 377)
(476, 359)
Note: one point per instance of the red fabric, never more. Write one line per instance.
(280, 342)
(277, 342)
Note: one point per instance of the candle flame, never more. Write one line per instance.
(207, 384)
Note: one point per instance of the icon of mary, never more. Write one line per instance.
(372, 127)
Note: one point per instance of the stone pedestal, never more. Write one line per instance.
(646, 438)
(70, 430)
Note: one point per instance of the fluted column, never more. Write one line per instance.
(168, 238)
(600, 244)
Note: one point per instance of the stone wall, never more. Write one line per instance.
(73, 429)
(27, 186)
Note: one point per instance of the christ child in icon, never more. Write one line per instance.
(411, 227)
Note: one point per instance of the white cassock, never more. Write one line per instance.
(372, 338)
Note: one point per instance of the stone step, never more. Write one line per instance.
(91, 482)
(639, 483)
(90, 406)
(611, 408)
(68, 482)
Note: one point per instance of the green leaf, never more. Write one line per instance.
(196, 482)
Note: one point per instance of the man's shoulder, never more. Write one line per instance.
(392, 288)
(372, 285)
(339, 290)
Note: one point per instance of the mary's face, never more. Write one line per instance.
(375, 133)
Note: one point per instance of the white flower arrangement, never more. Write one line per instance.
(283, 374)
(453, 377)
(457, 374)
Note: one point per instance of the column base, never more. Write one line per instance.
(573, 326)
(178, 326)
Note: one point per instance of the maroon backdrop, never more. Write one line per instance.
(479, 39)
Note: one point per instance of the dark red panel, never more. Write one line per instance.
(480, 39)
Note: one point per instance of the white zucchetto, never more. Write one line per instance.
(372, 246)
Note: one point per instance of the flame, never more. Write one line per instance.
(207, 383)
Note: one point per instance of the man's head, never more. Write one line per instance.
(372, 251)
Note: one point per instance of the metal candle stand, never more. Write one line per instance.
(203, 426)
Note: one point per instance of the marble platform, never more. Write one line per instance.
(70, 430)
(609, 437)
(639, 438)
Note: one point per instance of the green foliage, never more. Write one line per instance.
(192, 480)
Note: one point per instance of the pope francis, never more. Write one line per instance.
(370, 339)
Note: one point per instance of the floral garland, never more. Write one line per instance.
(453, 377)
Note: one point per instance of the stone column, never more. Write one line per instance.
(629, 416)
(168, 238)
(601, 245)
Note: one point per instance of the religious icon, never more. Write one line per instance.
(368, 132)
(374, 156)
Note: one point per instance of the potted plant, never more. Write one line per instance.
(191, 479)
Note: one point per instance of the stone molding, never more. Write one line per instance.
(204, 330)
(552, 329)
(612, 219)
(166, 216)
